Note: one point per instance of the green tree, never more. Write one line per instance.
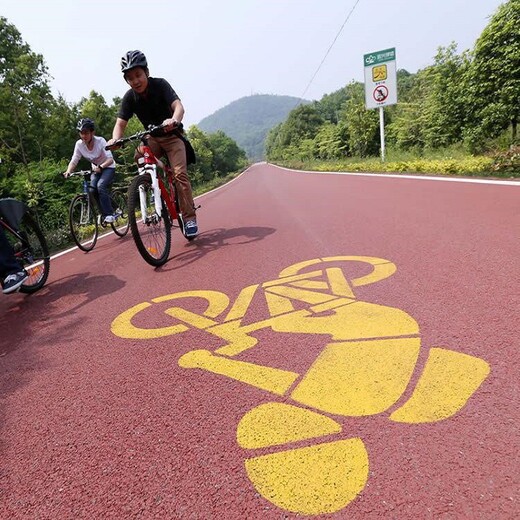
(202, 170)
(361, 124)
(227, 156)
(302, 124)
(331, 141)
(494, 77)
(97, 109)
(406, 128)
(25, 97)
(443, 105)
(330, 105)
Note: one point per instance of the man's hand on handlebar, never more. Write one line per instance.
(170, 124)
(111, 144)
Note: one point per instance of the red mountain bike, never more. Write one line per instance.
(153, 203)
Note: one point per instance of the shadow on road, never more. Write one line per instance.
(214, 239)
(22, 316)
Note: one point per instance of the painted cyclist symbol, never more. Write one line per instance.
(364, 370)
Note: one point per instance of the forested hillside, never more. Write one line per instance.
(248, 120)
(468, 101)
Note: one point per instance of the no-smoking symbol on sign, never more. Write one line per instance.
(380, 93)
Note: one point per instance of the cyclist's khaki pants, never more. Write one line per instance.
(174, 148)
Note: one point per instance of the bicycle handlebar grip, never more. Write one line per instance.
(114, 144)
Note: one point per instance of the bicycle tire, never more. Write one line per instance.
(120, 206)
(32, 251)
(83, 223)
(152, 237)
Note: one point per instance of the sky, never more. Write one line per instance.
(214, 52)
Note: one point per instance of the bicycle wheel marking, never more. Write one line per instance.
(364, 370)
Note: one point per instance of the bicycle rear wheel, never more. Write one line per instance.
(32, 252)
(152, 234)
(120, 207)
(83, 223)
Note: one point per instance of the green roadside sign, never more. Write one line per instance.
(379, 57)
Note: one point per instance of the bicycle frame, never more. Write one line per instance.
(85, 212)
(148, 164)
(15, 233)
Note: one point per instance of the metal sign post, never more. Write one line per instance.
(380, 85)
(382, 132)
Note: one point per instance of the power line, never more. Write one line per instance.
(327, 53)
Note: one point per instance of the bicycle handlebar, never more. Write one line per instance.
(138, 136)
(80, 172)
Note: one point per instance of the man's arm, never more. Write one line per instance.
(118, 131)
(178, 114)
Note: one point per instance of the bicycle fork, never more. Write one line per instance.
(152, 170)
(85, 208)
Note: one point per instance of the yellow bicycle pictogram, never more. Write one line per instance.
(379, 73)
(364, 370)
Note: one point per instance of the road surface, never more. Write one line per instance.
(330, 345)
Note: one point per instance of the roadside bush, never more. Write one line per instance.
(507, 162)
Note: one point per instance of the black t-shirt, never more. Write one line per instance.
(153, 107)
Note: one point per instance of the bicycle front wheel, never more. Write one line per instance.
(83, 223)
(120, 207)
(151, 232)
(32, 251)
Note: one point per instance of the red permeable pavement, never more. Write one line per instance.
(98, 426)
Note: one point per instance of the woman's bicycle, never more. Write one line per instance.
(28, 242)
(84, 220)
(153, 203)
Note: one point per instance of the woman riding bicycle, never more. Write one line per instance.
(92, 148)
(154, 102)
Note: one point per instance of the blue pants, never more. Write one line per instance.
(8, 262)
(100, 188)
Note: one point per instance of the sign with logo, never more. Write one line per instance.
(380, 78)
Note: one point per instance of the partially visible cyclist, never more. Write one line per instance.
(92, 148)
(12, 275)
(154, 102)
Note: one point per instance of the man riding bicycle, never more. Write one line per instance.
(154, 102)
(92, 148)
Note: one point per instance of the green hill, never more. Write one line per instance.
(247, 120)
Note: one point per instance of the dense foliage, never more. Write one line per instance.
(247, 120)
(470, 99)
(37, 136)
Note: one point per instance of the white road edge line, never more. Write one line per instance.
(416, 177)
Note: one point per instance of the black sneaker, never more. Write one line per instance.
(13, 281)
(191, 229)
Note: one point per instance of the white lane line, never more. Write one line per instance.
(415, 177)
